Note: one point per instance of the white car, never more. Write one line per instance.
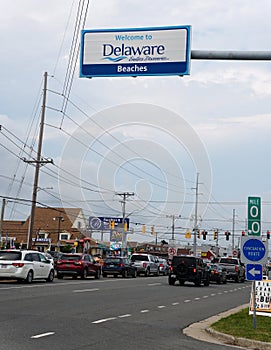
(25, 265)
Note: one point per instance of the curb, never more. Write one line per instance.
(203, 331)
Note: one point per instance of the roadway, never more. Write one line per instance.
(110, 313)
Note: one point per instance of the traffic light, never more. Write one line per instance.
(243, 233)
(204, 234)
(188, 234)
(198, 233)
(268, 234)
(152, 230)
(215, 234)
(143, 228)
(125, 226)
(227, 234)
(112, 224)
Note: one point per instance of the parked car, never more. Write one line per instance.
(217, 274)
(77, 264)
(190, 269)
(25, 265)
(145, 264)
(118, 266)
(163, 266)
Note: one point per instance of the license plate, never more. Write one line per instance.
(111, 265)
(3, 266)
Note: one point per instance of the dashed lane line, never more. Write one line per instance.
(42, 335)
(123, 316)
(105, 320)
(144, 311)
(85, 290)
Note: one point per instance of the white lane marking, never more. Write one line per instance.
(154, 284)
(213, 294)
(175, 303)
(225, 291)
(219, 293)
(126, 315)
(196, 298)
(104, 320)
(85, 290)
(144, 311)
(42, 335)
(205, 296)
(161, 306)
(187, 301)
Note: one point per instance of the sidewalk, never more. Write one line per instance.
(202, 331)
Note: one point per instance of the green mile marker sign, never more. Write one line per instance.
(254, 216)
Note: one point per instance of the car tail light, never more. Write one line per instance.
(194, 270)
(171, 268)
(18, 264)
(236, 268)
(216, 272)
(78, 263)
(161, 265)
(121, 264)
(144, 264)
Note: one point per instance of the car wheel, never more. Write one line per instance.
(237, 279)
(29, 277)
(206, 282)
(98, 275)
(135, 274)
(181, 283)
(104, 275)
(198, 281)
(218, 281)
(85, 274)
(225, 281)
(171, 281)
(147, 273)
(125, 274)
(51, 276)
(59, 276)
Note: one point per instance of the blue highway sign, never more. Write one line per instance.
(254, 272)
(253, 250)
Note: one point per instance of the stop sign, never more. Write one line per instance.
(234, 253)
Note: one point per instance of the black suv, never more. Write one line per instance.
(188, 268)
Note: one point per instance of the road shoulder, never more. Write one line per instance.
(202, 331)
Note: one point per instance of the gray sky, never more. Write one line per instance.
(149, 135)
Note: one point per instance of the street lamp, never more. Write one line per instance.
(60, 219)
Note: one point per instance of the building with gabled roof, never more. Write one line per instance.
(52, 228)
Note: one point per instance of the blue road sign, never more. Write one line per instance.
(253, 250)
(254, 272)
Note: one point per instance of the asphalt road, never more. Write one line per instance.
(142, 313)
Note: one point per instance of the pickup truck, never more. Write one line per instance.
(145, 264)
(235, 269)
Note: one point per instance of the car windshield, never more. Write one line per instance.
(183, 260)
(139, 258)
(228, 261)
(70, 257)
(10, 255)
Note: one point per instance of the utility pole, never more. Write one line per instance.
(174, 217)
(2, 219)
(195, 229)
(39, 161)
(124, 195)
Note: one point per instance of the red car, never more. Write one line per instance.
(74, 265)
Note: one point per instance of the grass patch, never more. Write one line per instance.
(241, 325)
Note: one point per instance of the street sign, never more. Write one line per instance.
(235, 253)
(171, 251)
(135, 51)
(253, 250)
(254, 216)
(102, 223)
(254, 272)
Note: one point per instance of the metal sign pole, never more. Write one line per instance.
(254, 304)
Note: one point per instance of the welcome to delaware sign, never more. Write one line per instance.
(135, 52)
